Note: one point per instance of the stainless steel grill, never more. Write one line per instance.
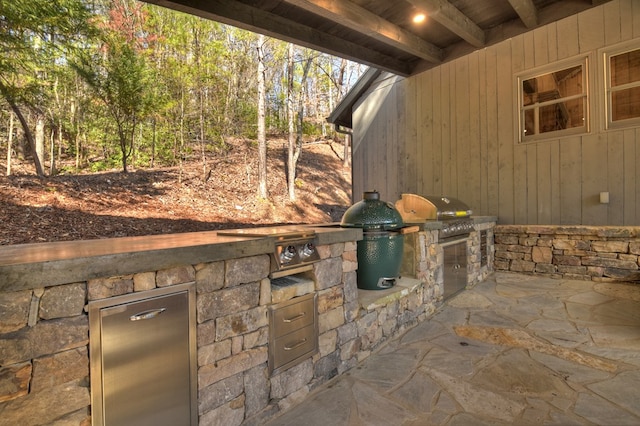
(456, 225)
(453, 213)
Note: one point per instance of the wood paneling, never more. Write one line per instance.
(594, 179)
(506, 147)
(570, 178)
(493, 177)
(631, 185)
(615, 177)
(424, 128)
(568, 45)
(452, 130)
(544, 183)
(472, 179)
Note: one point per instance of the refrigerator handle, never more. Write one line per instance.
(147, 314)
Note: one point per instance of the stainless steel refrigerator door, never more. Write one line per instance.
(146, 371)
(454, 267)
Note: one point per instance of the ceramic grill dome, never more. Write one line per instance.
(372, 214)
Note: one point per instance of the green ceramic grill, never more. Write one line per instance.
(380, 250)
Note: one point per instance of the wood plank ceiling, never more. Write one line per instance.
(381, 33)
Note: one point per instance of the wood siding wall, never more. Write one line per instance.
(452, 130)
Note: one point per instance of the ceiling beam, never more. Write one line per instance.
(252, 19)
(527, 12)
(359, 19)
(449, 16)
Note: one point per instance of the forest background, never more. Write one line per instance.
(95, 86)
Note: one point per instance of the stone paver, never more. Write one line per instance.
(515, 349)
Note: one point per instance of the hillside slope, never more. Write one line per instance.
(220, 195)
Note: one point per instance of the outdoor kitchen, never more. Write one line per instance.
(249, 321)
(473, 188)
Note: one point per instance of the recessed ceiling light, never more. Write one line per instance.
(419, 18)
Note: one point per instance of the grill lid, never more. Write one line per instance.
(416, 208)
(372, 214)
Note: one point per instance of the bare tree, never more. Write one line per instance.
(25, 127)
(262, 137)
(291, 165)
(295, 138)
(9, 143)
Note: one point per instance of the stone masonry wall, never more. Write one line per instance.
(44, 336)
(424, 258)
(574, 252)
(476, 271)
(44, 360)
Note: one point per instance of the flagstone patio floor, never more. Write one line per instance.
(515, 349)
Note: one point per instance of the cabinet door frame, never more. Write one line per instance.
(95, 344)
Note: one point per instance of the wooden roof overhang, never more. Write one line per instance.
(381, 33)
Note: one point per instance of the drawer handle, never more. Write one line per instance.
(297, 317)
(297, 345)
(147, 314)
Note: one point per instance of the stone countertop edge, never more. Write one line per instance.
(428, 225)
(333, 234)
(433, 224)
(29, 266)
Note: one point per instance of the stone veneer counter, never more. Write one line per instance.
(45, 290)
(45, 336)
(30, 266)
(580, 252)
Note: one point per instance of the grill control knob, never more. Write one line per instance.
(307, 250)
(287, 254)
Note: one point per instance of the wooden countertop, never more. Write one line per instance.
(28, 266)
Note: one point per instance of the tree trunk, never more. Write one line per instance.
(40, 137)
(9, 143)
(28, 135)
(181, 142)
(60, 141)
(301, 102)
(73, 110)
(123, 147)
(77, 145)
(52, 154)
(291, 166)
(262, 137)
(297, 148)
(153, 143)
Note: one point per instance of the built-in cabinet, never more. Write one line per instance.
(142, 358)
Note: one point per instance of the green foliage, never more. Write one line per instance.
(37, 38)
(311, 129)
(128, 81)
(105, 164)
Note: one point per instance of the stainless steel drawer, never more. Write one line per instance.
(294, 345)
(293, 332)
(293, 317)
